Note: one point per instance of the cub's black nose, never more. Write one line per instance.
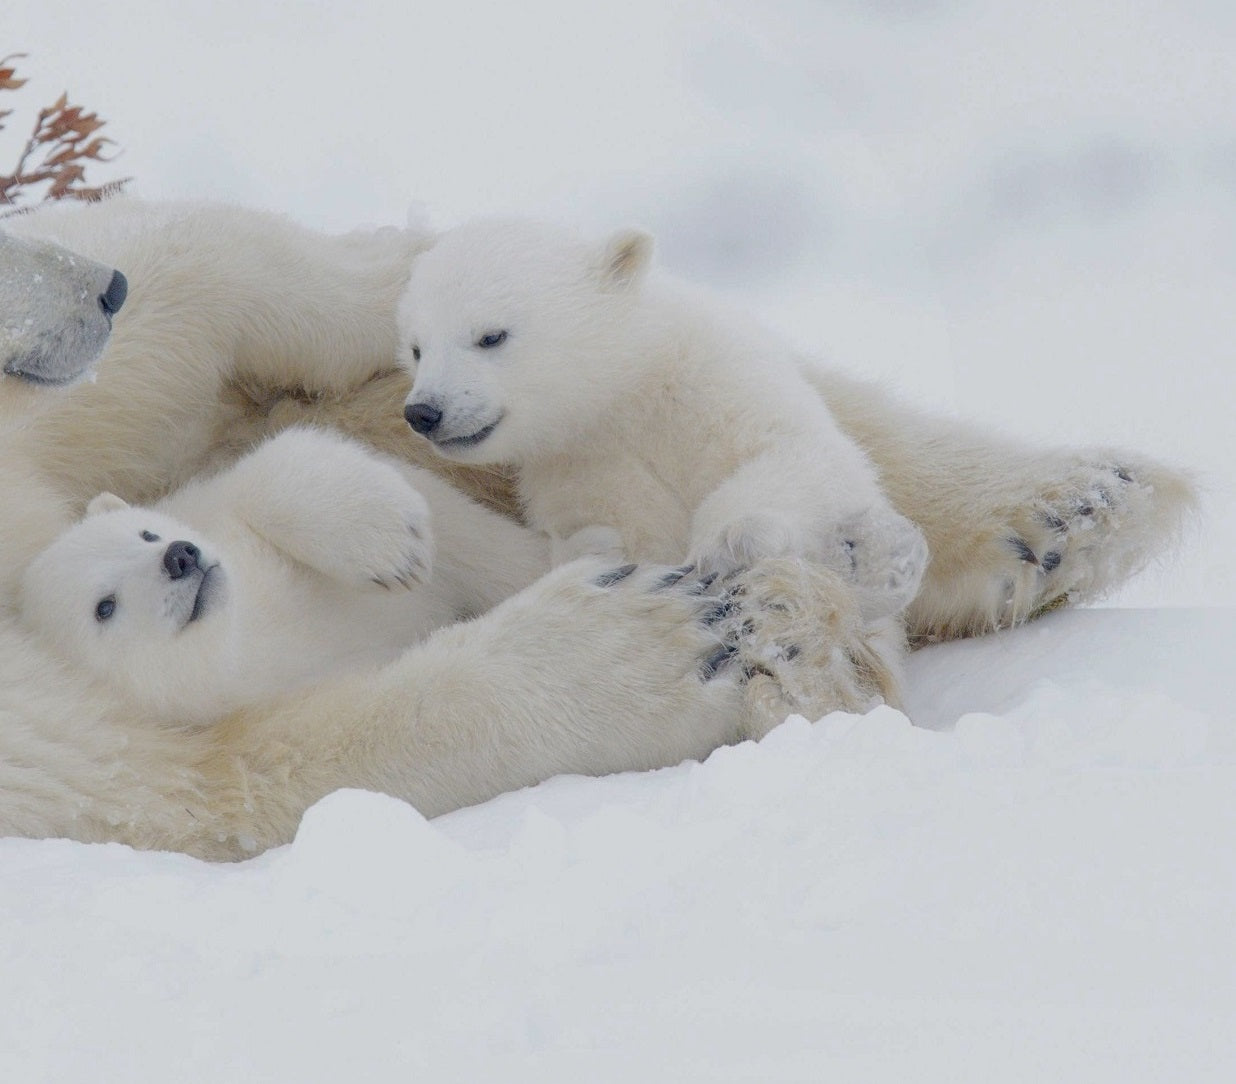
(113, 297)
(422, 417)
(180, 558)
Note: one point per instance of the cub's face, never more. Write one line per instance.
(506, 327)
(138, 600)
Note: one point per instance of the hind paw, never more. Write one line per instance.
(1070, 538)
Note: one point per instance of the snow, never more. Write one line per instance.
(1043, 890)
(1027, 215)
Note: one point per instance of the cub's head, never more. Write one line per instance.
(140, 602)
(516, 333)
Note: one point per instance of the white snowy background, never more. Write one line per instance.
(1024, 212)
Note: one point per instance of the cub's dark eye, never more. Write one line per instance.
(494, 338)
(105, 608)
(416, 353)
(149, 536)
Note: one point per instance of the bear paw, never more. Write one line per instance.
(335, 506)
(1093, 523)
(884, 555)
(390, 541)
(745, 539)
(797, 632)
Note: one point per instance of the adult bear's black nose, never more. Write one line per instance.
(423, 417)
(113, 297)
(180, 558)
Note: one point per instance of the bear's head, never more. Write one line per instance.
(518, 336)
(56, 310)
(140, 602)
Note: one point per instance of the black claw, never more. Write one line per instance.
(703, 583)
(1085, 509)
(1122, 474)
(755, 670)
(675, 575)
(1023, 551)
(725, 608)
(615, 575)
(792, 652)
(709, 667)
(1051, 561)
(1055, 523)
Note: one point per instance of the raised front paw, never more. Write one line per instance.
(390, 542)
(338, 508)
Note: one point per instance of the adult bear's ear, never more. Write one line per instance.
(105, 502)
(625, 257)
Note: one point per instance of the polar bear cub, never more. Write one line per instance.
(631, 402)
(307, 557)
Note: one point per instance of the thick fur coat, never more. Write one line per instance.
(238, 325)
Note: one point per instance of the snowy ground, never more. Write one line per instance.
(1044, 891)
(1022, 213)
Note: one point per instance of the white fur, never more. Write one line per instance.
(632, 402)
(234, 313)
(55, 318)
(239, 323)
(309, 557)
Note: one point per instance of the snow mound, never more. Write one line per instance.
(1040, 887)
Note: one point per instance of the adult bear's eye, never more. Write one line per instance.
(105, 608)
(416, 353)
(494, 338)
(149, 536)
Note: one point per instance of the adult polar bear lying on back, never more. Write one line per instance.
(307, 558)
(585, 671)
(238, 323)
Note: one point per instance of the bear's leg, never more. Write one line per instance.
(1012, 529)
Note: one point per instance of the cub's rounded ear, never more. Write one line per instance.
(105, 502)
(625, 257)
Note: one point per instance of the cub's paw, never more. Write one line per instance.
(1088, 524)
(335, 506)
(392, 542)
(377, 531)
(797, 632)
(884, 555)
(741, 541)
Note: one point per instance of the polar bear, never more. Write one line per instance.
(627, 400)
(308, 557)
(56, 310)
(239, 324)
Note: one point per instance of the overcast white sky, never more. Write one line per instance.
(1023, 212)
